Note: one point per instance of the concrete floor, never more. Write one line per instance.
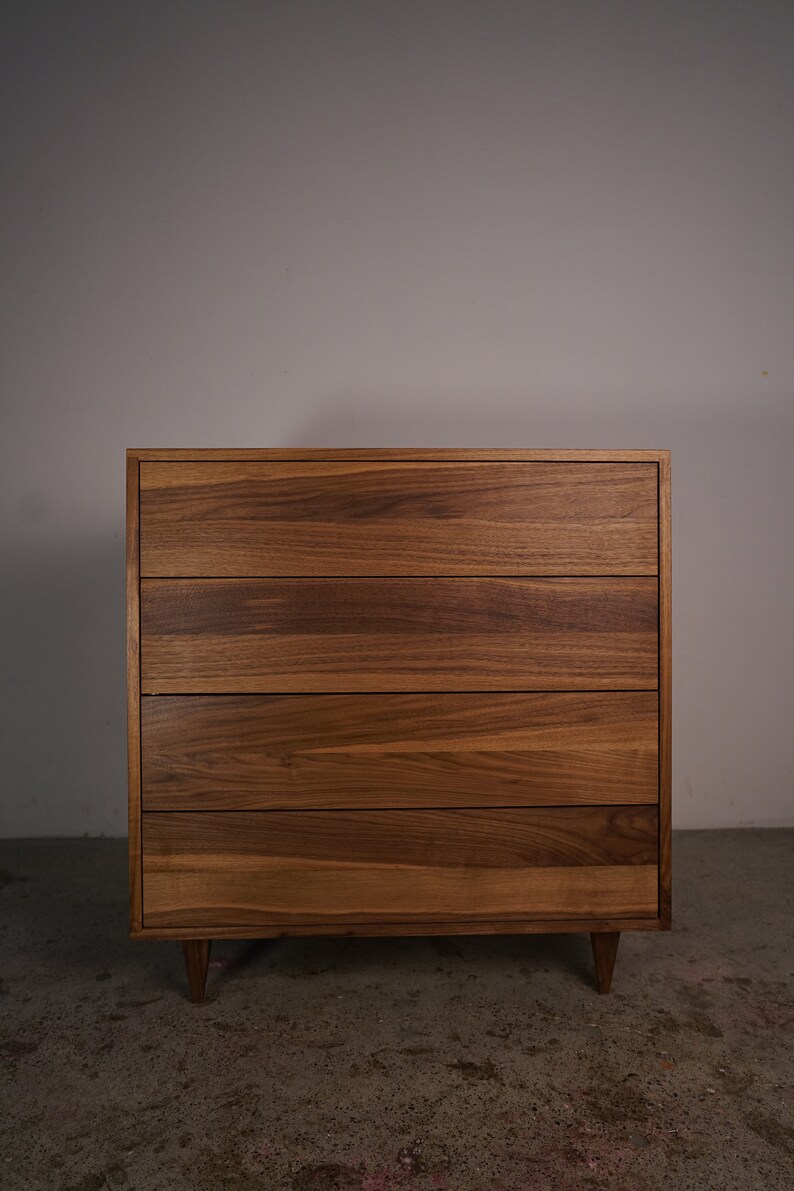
(465, 1064)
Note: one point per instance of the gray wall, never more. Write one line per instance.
(381, 224)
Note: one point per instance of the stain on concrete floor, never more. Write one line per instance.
(473, 1064)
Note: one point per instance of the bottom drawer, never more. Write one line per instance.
(276, 868)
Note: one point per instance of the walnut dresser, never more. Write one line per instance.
(398, 692)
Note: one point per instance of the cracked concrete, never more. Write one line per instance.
(465, 1064)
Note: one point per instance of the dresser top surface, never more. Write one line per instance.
(419, 454)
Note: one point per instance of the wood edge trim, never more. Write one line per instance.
(135, 858)
(665, 693)
(445, 808)
(427, 454)
(159, 688)
(405, 929)
(150, 807)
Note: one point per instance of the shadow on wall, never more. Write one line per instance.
(64, 688)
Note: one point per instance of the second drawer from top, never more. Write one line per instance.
(255, 636)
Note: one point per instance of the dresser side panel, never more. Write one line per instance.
(665, 693)
(133, 696)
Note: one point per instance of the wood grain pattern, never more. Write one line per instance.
(665, 693)
(133, 699)
(320, 635)
(245, 868)
(398, 750)
(397, 518)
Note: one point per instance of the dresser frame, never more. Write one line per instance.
(605, 932)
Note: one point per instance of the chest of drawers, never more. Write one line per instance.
(398, 692)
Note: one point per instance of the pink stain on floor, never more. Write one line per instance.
(377, 1182)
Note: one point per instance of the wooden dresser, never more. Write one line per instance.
(398, 692)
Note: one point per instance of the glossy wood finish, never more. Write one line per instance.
(391, 518)
(133, 699)
(197, 958)
(250, 868)
(315, 635)
(605, 949)
(240, 752)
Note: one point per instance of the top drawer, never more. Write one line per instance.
(243, 519)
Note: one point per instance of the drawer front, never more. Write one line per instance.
(241, 752)
(275, 868)
(398, 518)
(314, 635)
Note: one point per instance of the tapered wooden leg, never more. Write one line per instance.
(605, 948)
(197, 958)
